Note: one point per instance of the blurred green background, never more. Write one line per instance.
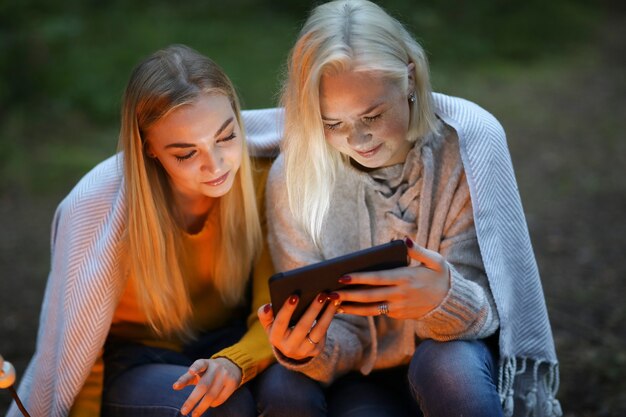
(551, 71)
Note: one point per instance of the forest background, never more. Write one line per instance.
(553, 72)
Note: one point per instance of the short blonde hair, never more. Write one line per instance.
(338, 36)
(170, 78)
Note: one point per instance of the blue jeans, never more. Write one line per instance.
(138, 379)
(444, 379)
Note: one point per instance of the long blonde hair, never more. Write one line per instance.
(172, 77)
(338, 36)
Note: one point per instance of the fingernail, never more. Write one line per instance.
(408, 242)
(184, 410)
(266, 308)
(293, 299)
(340, 310)
(322, 298)
(345, 279)
(333, 296)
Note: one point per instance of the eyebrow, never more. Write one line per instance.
(368, 110)
(191, 145)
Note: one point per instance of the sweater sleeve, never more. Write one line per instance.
(348, 337)
(468, 311)
(253, 353)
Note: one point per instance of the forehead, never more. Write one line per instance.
(199, 118)
(350, 88)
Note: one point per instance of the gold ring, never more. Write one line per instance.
(311, 341)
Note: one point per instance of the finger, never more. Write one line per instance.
(368, 295)
(229, 388)
(374, 278)
(266, 316)
(307, 320)
(203, 386)
(214, 389)
(430, 259)
(323, 323)
(193, 374)
(281, 321)
(359, 309)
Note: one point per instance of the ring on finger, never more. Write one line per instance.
(383, 309)
(311, 341)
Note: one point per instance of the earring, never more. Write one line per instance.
(412, 98)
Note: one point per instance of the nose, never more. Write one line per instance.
(358, 135)
(211, 161)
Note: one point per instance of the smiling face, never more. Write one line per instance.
(366, 117)
(200, 147)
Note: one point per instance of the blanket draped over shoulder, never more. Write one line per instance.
(73, 327)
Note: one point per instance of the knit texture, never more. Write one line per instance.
(494, 273)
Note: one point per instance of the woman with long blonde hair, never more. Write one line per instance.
(370, 155)
(152, 256)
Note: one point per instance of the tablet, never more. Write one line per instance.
(308, 281)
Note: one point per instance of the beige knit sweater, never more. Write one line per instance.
(426, 198)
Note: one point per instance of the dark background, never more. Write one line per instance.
(551, 71)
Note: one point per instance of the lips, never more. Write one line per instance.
(217, 181)
(369, 153)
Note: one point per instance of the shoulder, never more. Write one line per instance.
(264, 130)
(277, 172)
(98, 189)
(467, 117)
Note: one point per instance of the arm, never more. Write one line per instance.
(81, 292)
(468, 310)
(343, 347)
(253, 353)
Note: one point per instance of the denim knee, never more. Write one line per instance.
(455, 378)
(284, 393)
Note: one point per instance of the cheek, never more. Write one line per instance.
(396, 127)
(234, 155)
(335, 140)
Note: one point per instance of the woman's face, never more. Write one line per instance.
(200, 147)
(366, 117)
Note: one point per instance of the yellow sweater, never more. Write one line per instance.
(252, 353)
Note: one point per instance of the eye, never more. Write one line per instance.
(227, 138)
(181, 158)
(371, 119)
(332, 126)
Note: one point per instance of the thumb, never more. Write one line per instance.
(430, 259)
(266, 316)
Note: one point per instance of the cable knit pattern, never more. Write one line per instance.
(455, 194)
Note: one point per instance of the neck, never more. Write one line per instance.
(193, 212)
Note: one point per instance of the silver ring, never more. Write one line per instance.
(311, 341)
(383, 309)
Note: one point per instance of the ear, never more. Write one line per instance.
(410, 69)
(149, 151)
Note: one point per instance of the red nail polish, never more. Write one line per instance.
(293, 299)
(322, 298)
(345, 279)
(266, 308)
(408, 242)
(333, 296)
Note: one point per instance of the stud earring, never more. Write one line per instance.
(412, 98)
